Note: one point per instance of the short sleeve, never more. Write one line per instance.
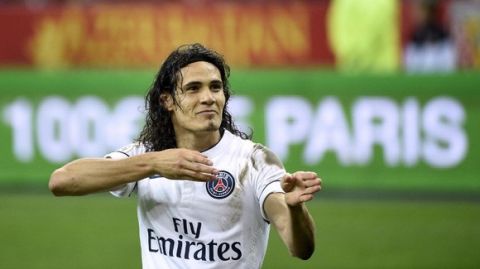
(269, 172)
(128, 189)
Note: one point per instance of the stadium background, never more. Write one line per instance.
(323, 83)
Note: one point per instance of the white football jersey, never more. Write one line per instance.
(215, 224)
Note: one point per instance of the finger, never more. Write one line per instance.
(305, 175)
(288, 183)
(197, 167)
(312, 182)
(310, 175)
(202, 168)
(200, 158)
(306, 197)
(198, 176)
(289, 179)
(312, 190)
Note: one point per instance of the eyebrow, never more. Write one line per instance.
(196, 83)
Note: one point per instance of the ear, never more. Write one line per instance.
(167, 101)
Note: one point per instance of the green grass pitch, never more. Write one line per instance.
(99, 231)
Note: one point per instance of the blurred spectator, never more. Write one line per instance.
(429, 48)
(364, 35)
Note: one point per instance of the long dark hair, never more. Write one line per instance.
(158, 133)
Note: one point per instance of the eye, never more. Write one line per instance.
(216, 87)
(192, 88)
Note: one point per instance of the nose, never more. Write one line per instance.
(207, 96)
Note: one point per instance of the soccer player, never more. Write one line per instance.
(206, 193)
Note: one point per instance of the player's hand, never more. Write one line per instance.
(300, 187)
(183, 164)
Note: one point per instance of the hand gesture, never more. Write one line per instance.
(183, 164)
(300, 187)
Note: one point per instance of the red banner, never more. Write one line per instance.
(126, 36)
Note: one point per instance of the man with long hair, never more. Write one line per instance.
(206, 193)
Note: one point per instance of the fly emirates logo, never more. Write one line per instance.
(186, 246)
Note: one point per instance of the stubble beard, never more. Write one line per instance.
(212, 127)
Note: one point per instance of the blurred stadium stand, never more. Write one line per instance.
(348, 35)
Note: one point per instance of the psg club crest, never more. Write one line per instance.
(221, 187)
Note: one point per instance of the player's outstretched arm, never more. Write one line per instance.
(89, 175)
(289, 214)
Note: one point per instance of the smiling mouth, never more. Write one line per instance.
(207, 112)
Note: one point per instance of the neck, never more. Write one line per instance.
(198, 141)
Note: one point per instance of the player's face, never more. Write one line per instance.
(200, 98)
